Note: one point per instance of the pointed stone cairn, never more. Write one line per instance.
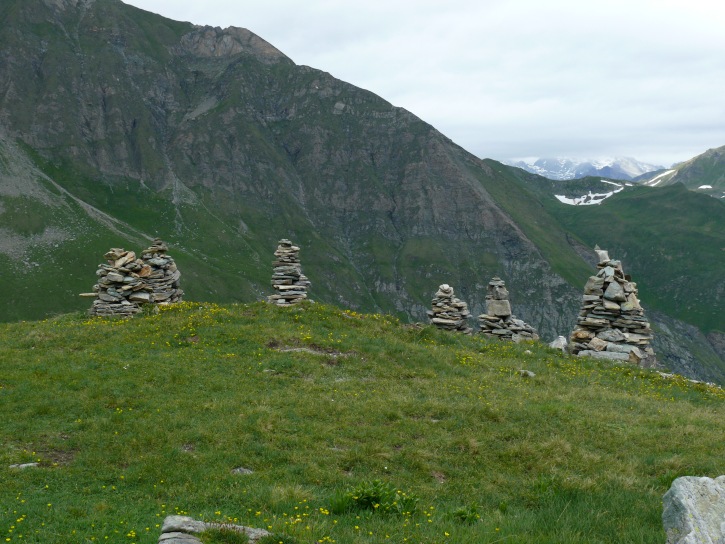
(448, 312)
(498, 321)
(287, 278)
(121, 289)
(611, 323)
(162, 276)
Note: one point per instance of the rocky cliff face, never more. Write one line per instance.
(215, 141)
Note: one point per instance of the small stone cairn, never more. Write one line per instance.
(121, 288)
(448, 312)
(611, 323)
(498, 321)
(287, 278)
(126, 282)
(164, 275)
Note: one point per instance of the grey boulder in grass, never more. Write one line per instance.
(694, 511)
(180, 530)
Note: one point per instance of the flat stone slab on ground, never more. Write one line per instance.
(609, 355)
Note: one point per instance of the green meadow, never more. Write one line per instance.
(356, 429)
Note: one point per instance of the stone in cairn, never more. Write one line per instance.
(287, 278)
(498, 321)
(121, 288)
(448, 312)
(611, 323)
(161, 274)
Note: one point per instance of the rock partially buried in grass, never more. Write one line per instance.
(178, 538)
(179, 530)
(23, 466)
(694, 511)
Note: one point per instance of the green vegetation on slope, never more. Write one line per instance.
(536, 221)
(669, 239)
(133, 420)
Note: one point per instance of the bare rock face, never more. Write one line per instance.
(210, 41)
(611, 323)
(694, 511)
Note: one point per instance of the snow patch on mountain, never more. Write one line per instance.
(657, 179)
(591, 198)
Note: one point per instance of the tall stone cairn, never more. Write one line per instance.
(448, 312)
(287, 278)
(611, 323)
(498, 321)
(163, 275)
(121, 288)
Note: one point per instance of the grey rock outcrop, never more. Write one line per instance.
(287, 278)
(694, 511)
(559, 343)
(499, 321)
(181, 530)
(163, 278)
(611, 323)
(448, 312)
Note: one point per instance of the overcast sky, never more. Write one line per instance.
(514, 78)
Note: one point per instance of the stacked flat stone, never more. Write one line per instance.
(121, 288)
(611, 323)
(499, 321)
(163, 276)
(287, 277)
(448, 312)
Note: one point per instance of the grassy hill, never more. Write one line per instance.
(133, 420)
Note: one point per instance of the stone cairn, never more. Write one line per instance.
(121, 288)
(611, 323)
(163, 278)
(448, 312)
(498, 321)
(287, 279)
(126, 282)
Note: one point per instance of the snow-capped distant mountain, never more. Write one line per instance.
(624, 168)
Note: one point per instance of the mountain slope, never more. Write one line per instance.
(703, 174)
(678, 270)
(218, 143)
(662, 236)
(221, 145)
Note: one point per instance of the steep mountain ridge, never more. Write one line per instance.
(198, 132)
(218, 143)
(703, 174)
